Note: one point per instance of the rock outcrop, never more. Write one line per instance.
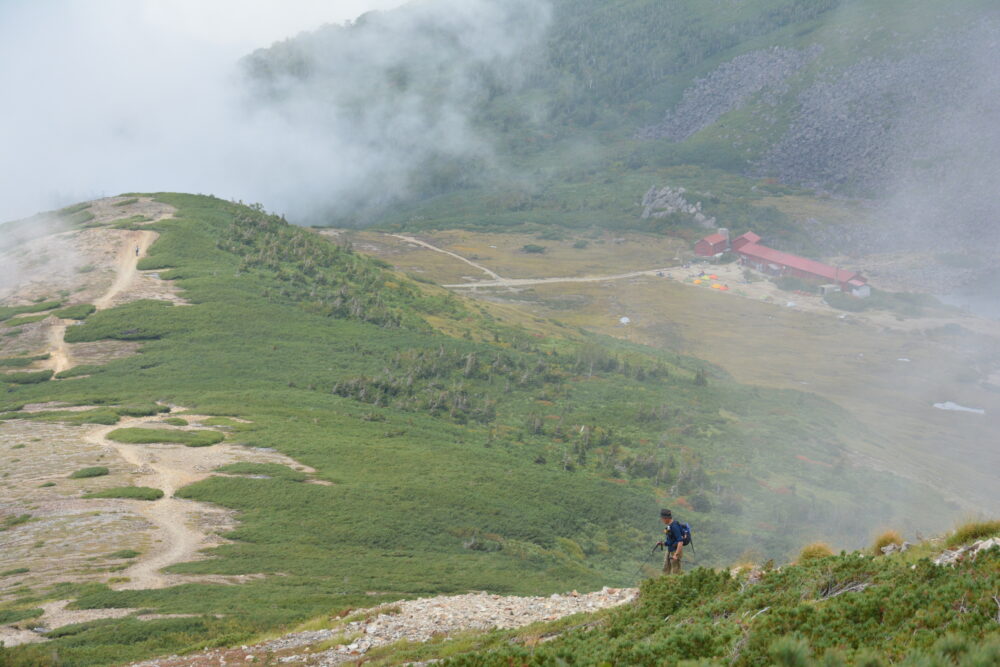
(728, 88)
(659, 203)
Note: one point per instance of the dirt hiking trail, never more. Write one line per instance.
(177, 540)
(135, 246)
(423, 244)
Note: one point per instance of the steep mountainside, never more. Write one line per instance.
(888, 101)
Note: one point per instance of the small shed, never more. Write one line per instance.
(712, 245)
(859, 288)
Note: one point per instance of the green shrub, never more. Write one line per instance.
(16, 570)
(128, 493)
(7, 312)
(148, 436)
(580, 245)
(127, 202)
(94, 471)
(80, 311)
(14, 520)
(21, 362)
(144, 410)
(124, 553)
(145, 319)
(970, 531)
(36, 377)
(8, 616)
(532, 248)
(46, 485)
(21, 321)
(78, 371)
(175, 421)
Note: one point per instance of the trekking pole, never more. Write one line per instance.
(658, 545)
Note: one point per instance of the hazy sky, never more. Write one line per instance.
(103, 96)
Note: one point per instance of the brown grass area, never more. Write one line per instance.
(603, 255)
(855, 364)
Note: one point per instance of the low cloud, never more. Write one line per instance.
(116, 96)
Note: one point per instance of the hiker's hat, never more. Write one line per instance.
(666, 514)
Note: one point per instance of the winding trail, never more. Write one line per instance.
(423, 244)
(173, 517)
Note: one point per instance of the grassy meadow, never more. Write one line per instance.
(466, 446)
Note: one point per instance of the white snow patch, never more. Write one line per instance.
(949, 405)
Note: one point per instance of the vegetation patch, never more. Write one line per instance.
(16, 570)
(148, 436)
(27, 378)
(80, 311)
(815, 551)
(21, 362)
(140, 320)
(124, 553)
(8, 616)
(93, 471)
(7, 312)
(80, 371)
(21, 321)
(14, 520)
(973, 530)
(128, 493)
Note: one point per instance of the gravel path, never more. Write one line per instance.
(411, 620)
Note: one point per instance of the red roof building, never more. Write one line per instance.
(745, 239)
(777, 263)
(712, 245)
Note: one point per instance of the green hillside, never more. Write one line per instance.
(498, 456)
(737, 102)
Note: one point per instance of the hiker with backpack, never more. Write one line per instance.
(675, 536)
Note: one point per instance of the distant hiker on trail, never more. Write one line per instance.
(673, 541)
(137, 251)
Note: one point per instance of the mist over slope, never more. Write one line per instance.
(889, 102)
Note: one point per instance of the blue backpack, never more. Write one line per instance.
(685, 532)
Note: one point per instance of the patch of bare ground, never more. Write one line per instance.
(68, 538)
(110, 209)
(24, 340)
(102, 351)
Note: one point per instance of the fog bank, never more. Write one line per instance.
(117, 96)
